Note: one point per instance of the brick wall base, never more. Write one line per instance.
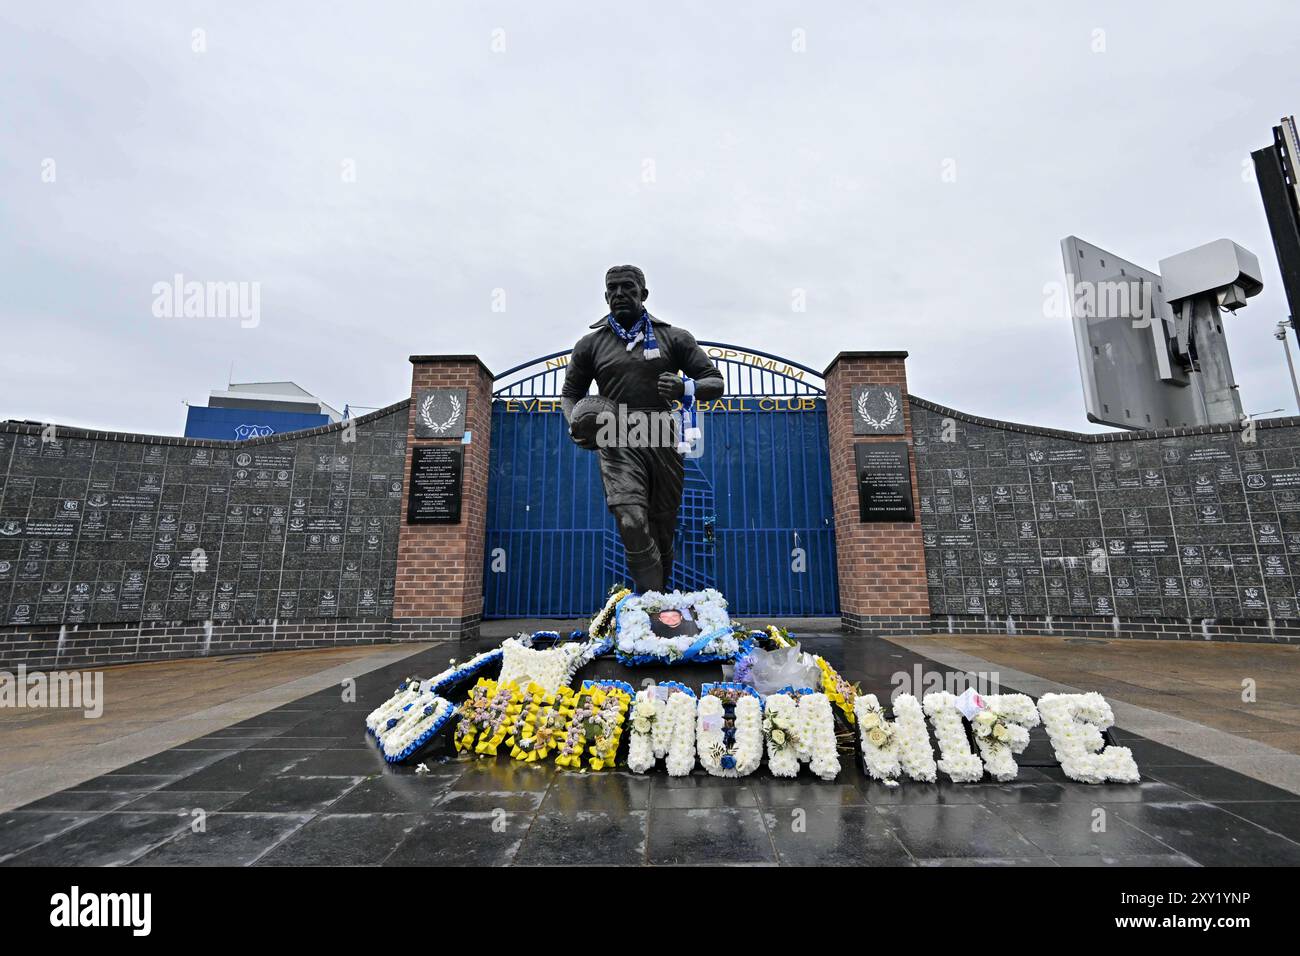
(437, 628)
(98, 645)
(884, 625)
(1106, 628)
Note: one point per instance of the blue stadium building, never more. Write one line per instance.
(252, 409)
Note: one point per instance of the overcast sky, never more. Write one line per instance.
(382, 169)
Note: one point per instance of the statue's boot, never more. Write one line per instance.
(647, 569)
(666, 560)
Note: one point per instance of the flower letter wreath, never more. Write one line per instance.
(531, 712)
(800, 728)
(595, 725)
(729, 729)
(663, 727)
(894, 747)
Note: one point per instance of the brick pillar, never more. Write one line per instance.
(439, 587)
(883, 586)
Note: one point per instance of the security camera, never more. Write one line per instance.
(1231, 298)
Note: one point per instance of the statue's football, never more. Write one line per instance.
(585, 421)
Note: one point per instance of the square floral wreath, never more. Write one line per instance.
(636, 643)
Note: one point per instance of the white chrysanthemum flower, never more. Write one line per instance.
(669, 735)
(955, 756)
(636, 637)
(1074, 723)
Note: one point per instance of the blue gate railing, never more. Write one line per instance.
(546, 520)
(770, 472)
(695, 549)
(756, 520)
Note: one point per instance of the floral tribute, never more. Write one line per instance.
(602, 625)
(406, 694)
(595, 724)
(536, 723)
(410, 689)
(532, 710)
(485, 717)
(662, 727)
(956, 759)
(417, 712)
(636, 643)
(729, 729)
(799, 727)
(1074, 724)
(551, 669)
(1002, 731)
(1001, 723)
(402, 735)
(837, 690)
(893, 748)
(457, 673)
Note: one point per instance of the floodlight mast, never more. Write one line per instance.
(1279, 188)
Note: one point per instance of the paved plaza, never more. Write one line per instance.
(300, 783)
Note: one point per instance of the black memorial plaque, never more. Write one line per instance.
(435, 485)
(884, 481)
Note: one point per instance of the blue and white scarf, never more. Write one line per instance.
(643, 331)
(690, 432)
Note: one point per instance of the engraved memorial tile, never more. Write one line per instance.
(877, 410)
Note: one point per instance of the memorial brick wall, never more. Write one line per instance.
(440, 548)
(117, 547)
(110, 529)
(1191, 525)
(881, 562)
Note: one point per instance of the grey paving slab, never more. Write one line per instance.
(1248, 757)
(295, 786)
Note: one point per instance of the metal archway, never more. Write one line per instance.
(748, 372)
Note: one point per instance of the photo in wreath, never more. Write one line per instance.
(674, 622)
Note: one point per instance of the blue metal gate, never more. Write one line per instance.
(756, 519)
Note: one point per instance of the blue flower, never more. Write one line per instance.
(728, 762)
(392, 722)
(744, 670)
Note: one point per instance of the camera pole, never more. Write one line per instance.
(1280, 335)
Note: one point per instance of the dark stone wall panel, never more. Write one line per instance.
(1177, 524)
(104, 528)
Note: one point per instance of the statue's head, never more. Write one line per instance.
(625, 291)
